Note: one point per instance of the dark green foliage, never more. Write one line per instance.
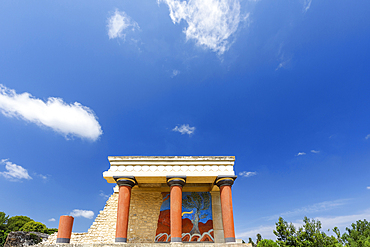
(16, 222)
(51, 230)
(285, 233)
(259, 238)
(33, 226)
(309, 235)
(21, 223)
(358, 235)
(250, 241)
(267, 243)
(3, 220)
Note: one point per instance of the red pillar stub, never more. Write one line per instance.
(176, 183)
(123, 209)
(65, 229)
(225, 184)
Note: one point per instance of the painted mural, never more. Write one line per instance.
(197, 224)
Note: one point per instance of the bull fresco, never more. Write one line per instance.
(197, 224)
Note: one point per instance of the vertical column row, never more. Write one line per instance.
(176, 183)
(225, 183)
(125, 185)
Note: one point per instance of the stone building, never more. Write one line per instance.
(165, 199)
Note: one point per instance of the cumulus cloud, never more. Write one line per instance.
(52, 219)
(184, 129)
(301, 153)
(118, 23)
(314, 151)
(82, 213)
(210, 22)
(14, 172)
(247, 174)
(66, 119)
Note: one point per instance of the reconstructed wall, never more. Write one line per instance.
(143, 219)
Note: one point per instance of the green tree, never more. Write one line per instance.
(285, 233)
(197, 201)
(251, 242)
(358, 235)
(3, 221)
(33, 226)
(267, 243)
(16, 222)
(259, 238)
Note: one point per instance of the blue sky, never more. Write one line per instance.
(281, 85)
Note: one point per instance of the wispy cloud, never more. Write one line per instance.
(314, 208)
(51, 220)
(210, 22)
(368, 187)
(184, 129)
(247, 174)
(82, 213)
(306, 5)
(175, 72)
(314, 151)
(102, 194)
(265, 231)
(301, 153)
(367, 137)
(67, 119)
(14, 172)
(118, 23)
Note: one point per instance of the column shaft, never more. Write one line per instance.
(227, 213)
(175, 213)
(65, 229)
(123, 209)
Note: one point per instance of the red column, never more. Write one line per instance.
(225, 184)
(176, 184)
(123, 207)
(65, 229)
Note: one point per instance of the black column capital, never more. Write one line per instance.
(176, 180)
(225, 180)
(125, 180)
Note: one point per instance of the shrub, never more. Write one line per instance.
(34, 226)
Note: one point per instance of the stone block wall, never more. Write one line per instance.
(143, 219)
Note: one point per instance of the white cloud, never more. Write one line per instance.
(175, 72)
(314, 208)
(368, 187)
(119, 22)
(67, 119)
(210, 22)
(184, 129)
(265, 231)
(301, 153)
(102, 194)
(52, 219)
(14, 172)
(314, 151)
(306, 5)
(367, 137)
(247, 174)
(82, 213)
